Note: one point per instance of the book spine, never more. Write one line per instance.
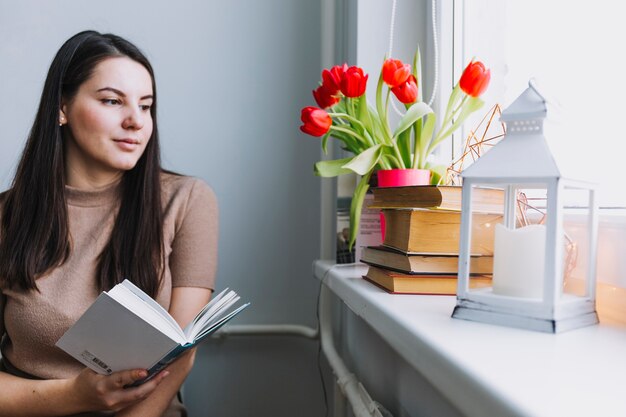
(166, 360)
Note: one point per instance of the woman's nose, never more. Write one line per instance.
(134, 119)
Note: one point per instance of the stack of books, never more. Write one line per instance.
(419, 254)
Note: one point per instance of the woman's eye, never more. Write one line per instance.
(110, 101)
(145, 107)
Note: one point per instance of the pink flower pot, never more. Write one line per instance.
(400, 178)
(403, 177)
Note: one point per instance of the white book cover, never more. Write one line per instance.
(126, 329)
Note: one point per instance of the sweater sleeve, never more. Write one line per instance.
(193, 261)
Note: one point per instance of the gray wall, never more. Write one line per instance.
(232, 77)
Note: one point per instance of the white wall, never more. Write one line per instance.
(232, 77)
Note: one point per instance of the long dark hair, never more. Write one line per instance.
(34, 234)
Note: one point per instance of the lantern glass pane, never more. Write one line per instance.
(487, 210)
(519, 241)
(576, 240)
(530, 205)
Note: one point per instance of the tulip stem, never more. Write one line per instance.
(454, 112)
(351, 133)
(347, 116)
(397, 161)
(417, 155)
(387, 103)
(400, 161)
(444, 132)
(384, 164)
(386, 127)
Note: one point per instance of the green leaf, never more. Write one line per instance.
(379, 99)
(356, 206)
(417, 72)
(331, 168)
(417, 135)
(404, 146)
(351, 144)
(473, 104)
(393, 161)
(469, 107)
(340, 135)
(340, 107)
(438, 173)
(364, 115)
(379, 132)
(455, 96)
(353, 111)
(425, 138)
(365, 161)
(413, 114)
(325, 142)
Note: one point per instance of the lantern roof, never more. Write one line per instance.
(523, 152)
(530, 105)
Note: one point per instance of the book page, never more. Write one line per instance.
(202, 312)
(152, 303)
(214, 314)
(210, 313)
(129, 299)
(216, 325)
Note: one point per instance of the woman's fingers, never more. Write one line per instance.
(149, 386)
(124, 378)
(100, 392)
(128, 396)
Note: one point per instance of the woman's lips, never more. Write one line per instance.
(127, 144)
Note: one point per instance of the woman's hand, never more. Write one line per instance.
(106, 392)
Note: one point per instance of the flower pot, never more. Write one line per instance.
(400, 178)
(403, 177)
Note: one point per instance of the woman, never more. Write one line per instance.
(88, 207)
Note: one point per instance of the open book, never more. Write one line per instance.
(126, 329)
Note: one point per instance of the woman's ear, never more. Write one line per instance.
(62, 117)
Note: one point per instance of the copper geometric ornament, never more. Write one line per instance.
(486, 134)
(526, 205)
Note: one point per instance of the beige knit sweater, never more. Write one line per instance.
(34, 321)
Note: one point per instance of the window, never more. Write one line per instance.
(572, 49)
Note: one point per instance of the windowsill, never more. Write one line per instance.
(491, 370)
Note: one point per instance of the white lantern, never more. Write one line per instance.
(544, 251)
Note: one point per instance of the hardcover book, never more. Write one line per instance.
(437, 232)
(444, 197)
(126, 329)
(407, 263)
(399, 283)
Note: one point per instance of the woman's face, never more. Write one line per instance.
(108, 122)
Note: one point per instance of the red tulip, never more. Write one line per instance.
(354, 82)
(316, 121)
(407, 92)
(395, 72)
(331, 79)
(475, 79)
(325, 98)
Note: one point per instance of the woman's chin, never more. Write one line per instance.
(124, 165)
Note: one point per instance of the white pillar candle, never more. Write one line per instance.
(518, 261)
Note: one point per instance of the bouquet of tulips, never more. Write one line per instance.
(364, 131)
